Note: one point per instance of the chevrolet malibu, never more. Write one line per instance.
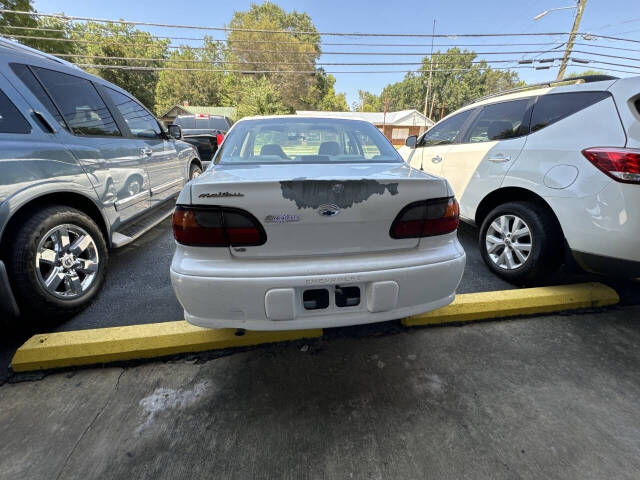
(312, 222)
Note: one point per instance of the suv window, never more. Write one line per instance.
(556, 106)
(11, 120)
(141, 123)
(445, 132)
(79, 103)
(25, 75)
(499, 122)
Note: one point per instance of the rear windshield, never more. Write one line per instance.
(305, 140)
(202, 122)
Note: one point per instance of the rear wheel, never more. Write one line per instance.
(58, 263)
(194, 171)
(521, 242)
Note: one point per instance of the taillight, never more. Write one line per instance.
(216, 227)
(621, 164)
(426, 218)
(219, 138)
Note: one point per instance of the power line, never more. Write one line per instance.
(267, 61)
(277, 42)
(311, 72)
(421, 54)
(69, 18)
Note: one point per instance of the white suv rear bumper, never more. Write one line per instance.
(606, 224)
(275, 303)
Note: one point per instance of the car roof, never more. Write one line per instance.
(11, 51)
(576, 85)
(303, 118)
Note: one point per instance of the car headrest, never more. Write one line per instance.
(273, 149)
(329, 148)
(499, 129)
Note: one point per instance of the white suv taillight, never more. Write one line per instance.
(621, 164)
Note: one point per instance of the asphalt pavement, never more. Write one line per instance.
(138, 289)
(553, 397)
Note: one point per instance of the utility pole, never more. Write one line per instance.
(426, 97)
(572, 37)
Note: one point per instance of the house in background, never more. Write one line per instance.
(186, 109)
(396, 126)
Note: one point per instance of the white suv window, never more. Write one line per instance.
(499, 122)
(445, 132)
(556, 106)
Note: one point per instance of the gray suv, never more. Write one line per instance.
(84, 167)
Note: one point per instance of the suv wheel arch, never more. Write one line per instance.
(71, 199)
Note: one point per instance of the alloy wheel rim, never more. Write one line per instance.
(508, 242)
(67, 261)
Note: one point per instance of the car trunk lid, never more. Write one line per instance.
(319, 209)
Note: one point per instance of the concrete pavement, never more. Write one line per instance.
(543, 397)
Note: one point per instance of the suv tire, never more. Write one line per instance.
(521, 242)
(58, 263)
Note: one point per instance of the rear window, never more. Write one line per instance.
(556, 106)
(78, 102)
(11, 120)
(25, 75)
(202, 122)
(292, 140)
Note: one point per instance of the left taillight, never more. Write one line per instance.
(216, 227)
(426, 218)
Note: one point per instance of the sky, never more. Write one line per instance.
(605, 17)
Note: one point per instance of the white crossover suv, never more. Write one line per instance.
(312, 222)
(545, 171)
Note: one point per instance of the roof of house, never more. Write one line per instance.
(403, 118)
(196, 109)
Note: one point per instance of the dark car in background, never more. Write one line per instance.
(205, 132)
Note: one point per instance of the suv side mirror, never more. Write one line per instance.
(175, 131)
(411, 141)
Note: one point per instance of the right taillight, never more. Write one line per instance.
(216, 227)
(426, 218)
(219, 138)
(621, 164)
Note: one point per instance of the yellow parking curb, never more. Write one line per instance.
(525, 301)
(86, 347)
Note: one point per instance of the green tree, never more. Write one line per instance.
(368, 102)
(584, 73)
(458, 78)
(284, 52)
(100, 43)
(322, 95)
(54, 40)
(196, 87)
(257, 96)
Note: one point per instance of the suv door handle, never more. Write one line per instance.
(146, 151)
(499, 158)
(436, 159)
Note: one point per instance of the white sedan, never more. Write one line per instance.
(312, 222)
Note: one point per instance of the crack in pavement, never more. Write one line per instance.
(106, 404)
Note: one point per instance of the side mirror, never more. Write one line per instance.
(411, 141)
(175, 131)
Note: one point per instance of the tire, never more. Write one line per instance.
(194, 171)
(506, 253)
(79, 274)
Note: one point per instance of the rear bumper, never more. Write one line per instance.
(603, 225)
(614, 267)
(275, 303)
(8, 306)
